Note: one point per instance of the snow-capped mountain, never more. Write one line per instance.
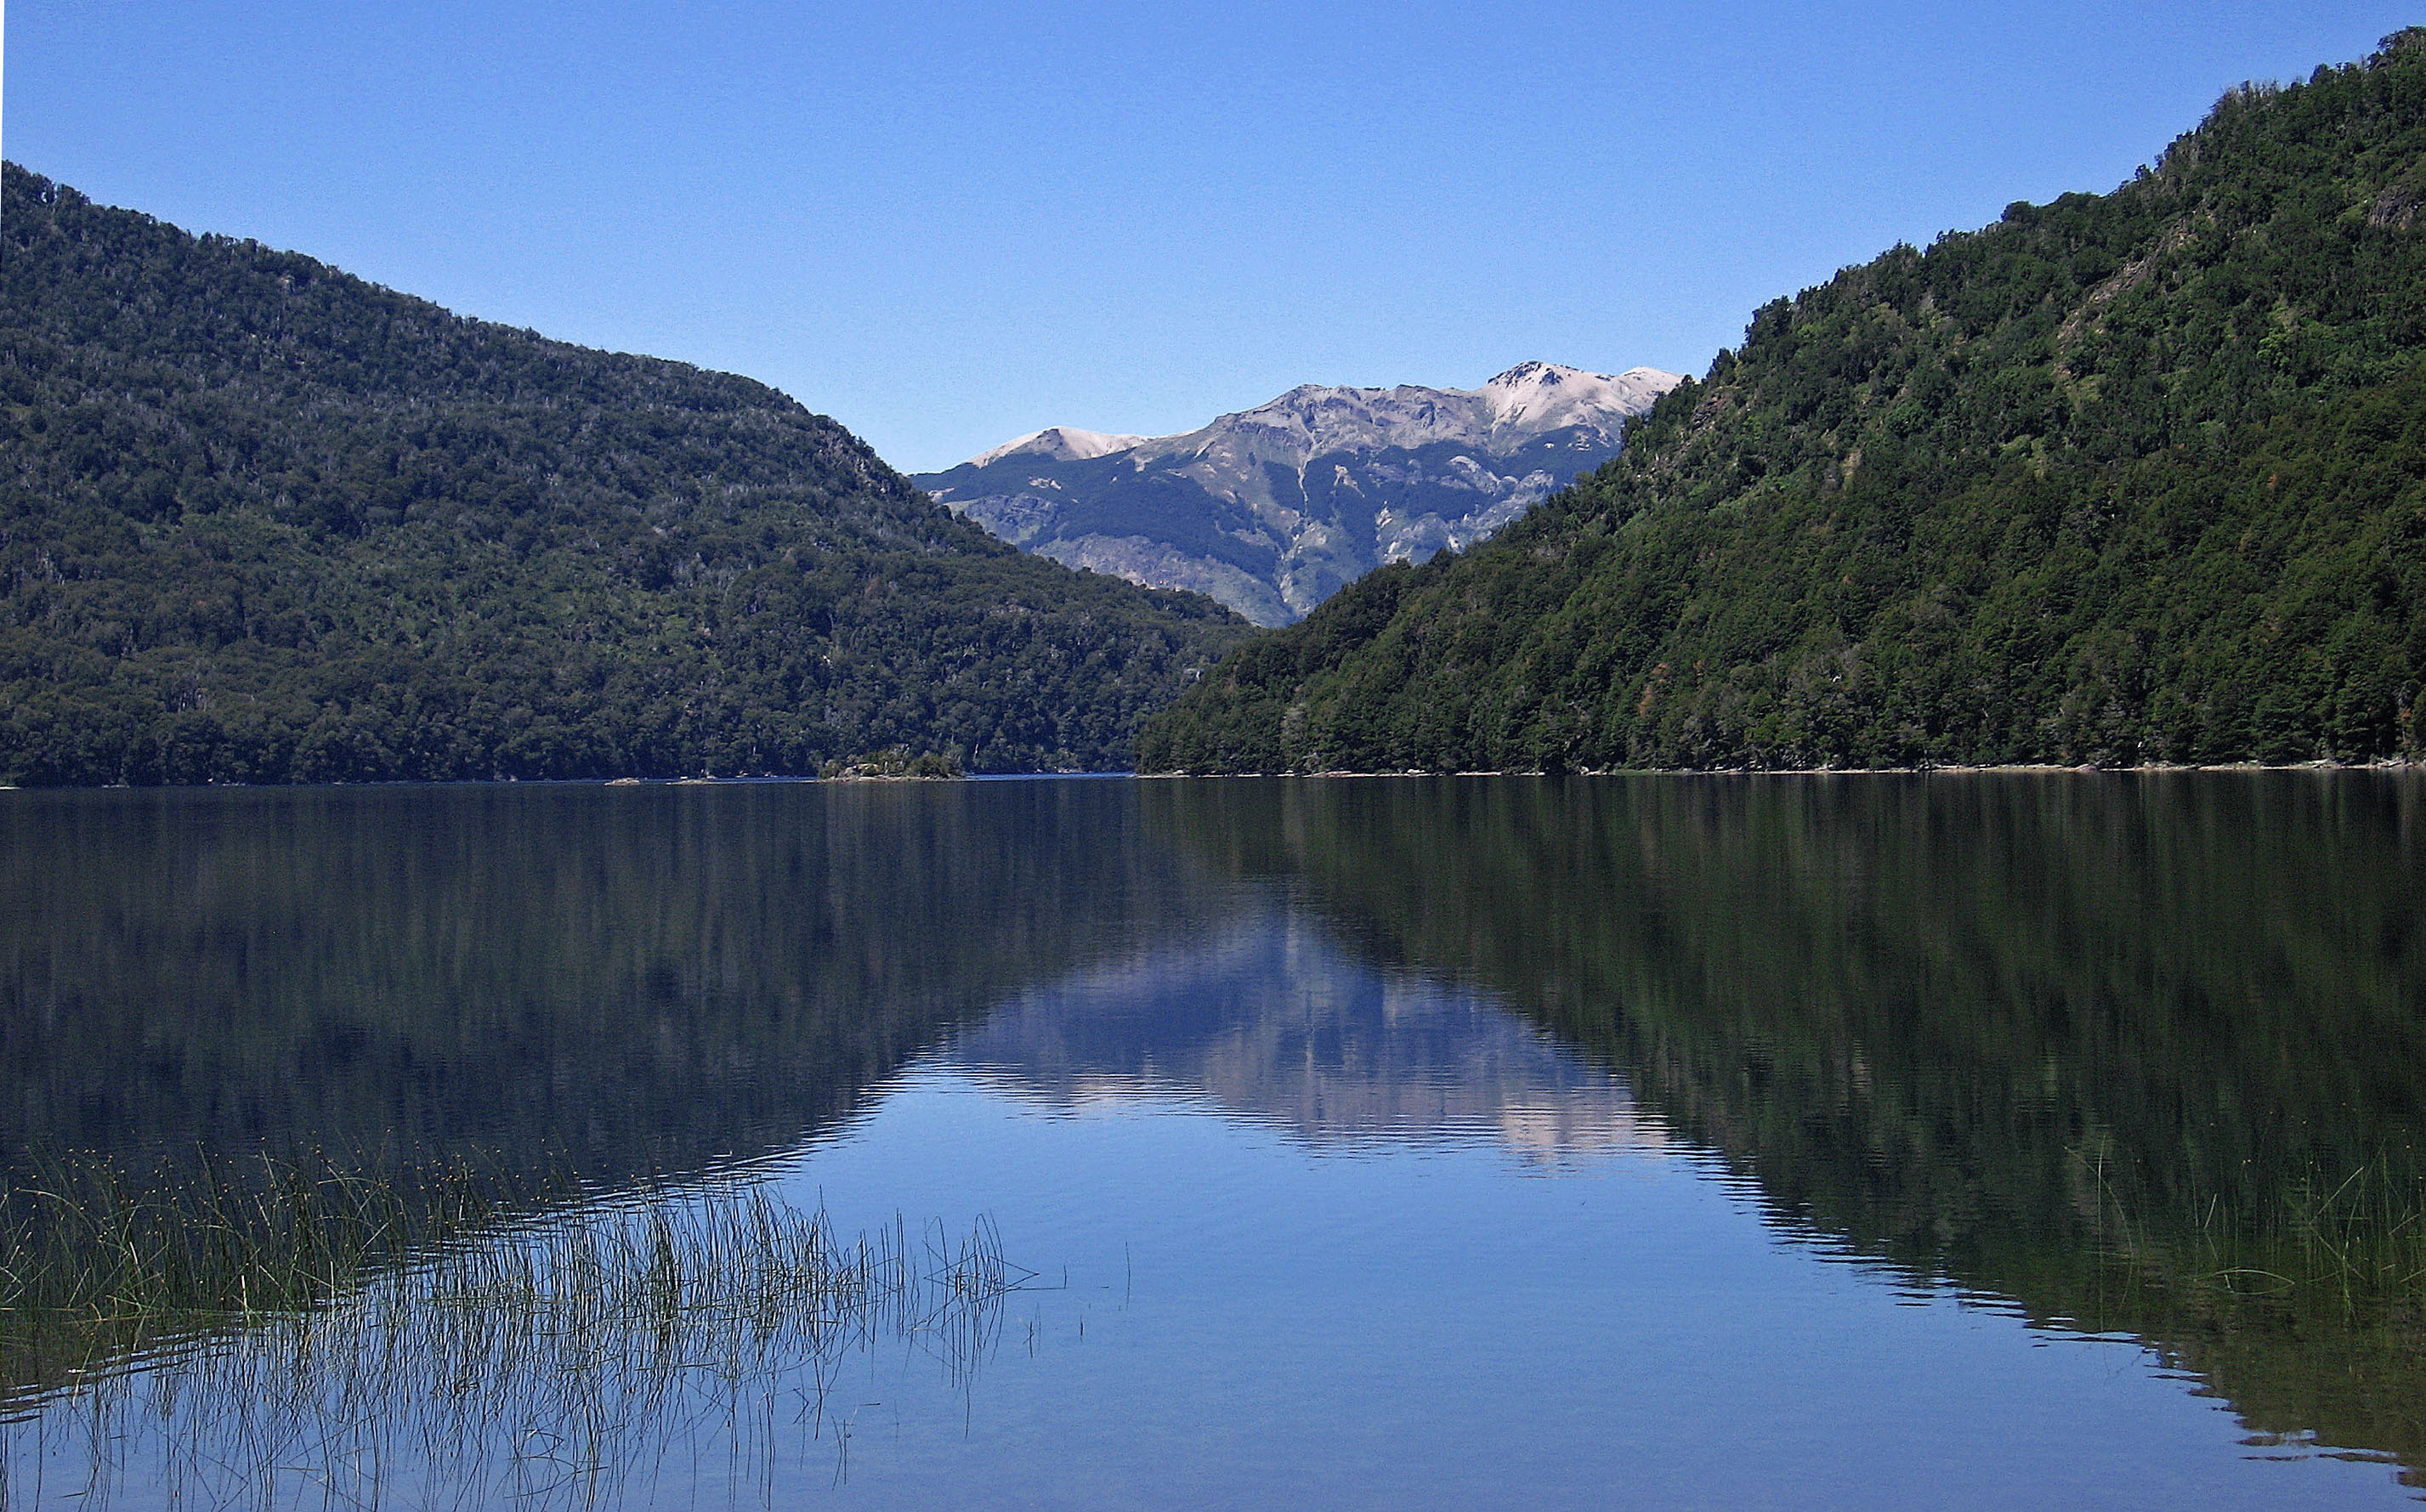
(1522, 405)
(1058, 443)
(1273, 509)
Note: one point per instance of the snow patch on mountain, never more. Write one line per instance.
(1533, 398)
(1060, 443)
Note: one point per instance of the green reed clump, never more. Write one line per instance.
(89, 1243)
(2301, 1298)
(540, 1361)
(2348, 1240)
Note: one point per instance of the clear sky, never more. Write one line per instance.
(946, 224)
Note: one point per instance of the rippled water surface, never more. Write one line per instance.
(1849, 1142)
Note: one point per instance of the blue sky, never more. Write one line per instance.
(948, 224)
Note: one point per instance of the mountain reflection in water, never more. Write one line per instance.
(2129, 1056)
(1271, 1020)
(2144, 1054)
(634, 983)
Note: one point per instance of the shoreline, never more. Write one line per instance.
(2021, 768)
(1950, 769)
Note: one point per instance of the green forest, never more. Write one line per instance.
(264, 521)
(2126, 478)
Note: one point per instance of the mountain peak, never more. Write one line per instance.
(1058, 443)
(1530, 399)
(1531, 373)
(1534, 398)
(1270, 509)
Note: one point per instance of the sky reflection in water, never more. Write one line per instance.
(1307, 1267)
(1661, 1144)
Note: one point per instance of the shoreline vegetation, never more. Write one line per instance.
(873, 772)
(892, 767)
(228, 1327)
(2394, 764)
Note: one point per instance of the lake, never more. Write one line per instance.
(1864, 1141)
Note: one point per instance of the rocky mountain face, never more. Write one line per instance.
(1272, 509)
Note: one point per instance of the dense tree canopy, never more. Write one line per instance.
(2130, 478)
(263, 522)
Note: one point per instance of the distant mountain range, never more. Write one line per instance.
(1272, 509)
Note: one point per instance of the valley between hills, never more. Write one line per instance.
(2132, 477)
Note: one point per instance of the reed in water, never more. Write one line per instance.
(366, 1341)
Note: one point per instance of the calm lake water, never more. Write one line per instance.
(1861, 1142)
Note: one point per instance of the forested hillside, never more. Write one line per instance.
(263, 522)
(2126, 477)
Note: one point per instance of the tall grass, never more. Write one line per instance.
(2305, 1306)
(83, 1231)
(2348, 1242)
(99, 1259)
(363, 1357)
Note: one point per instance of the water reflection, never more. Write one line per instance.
(570, 989)
(637, 982)
(2127, 1056)
(2129, 1051)
(1271, 1020)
